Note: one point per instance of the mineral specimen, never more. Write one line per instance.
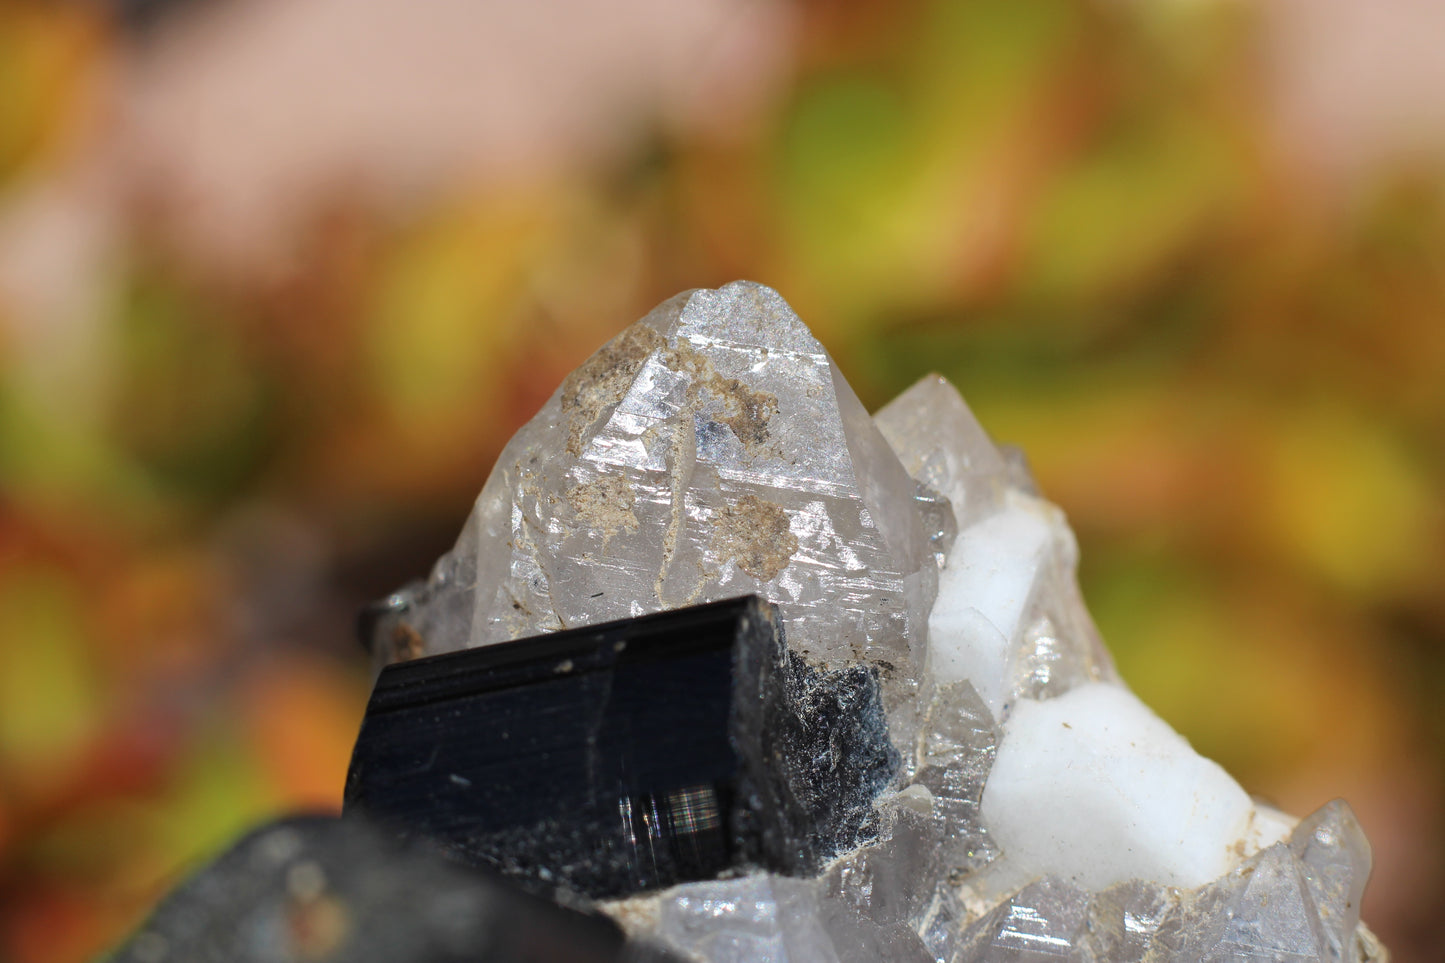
(1039, 810)
(628, 756)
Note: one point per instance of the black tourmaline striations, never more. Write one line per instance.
(622, 757)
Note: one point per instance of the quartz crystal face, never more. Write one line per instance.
(1040, 812)
(709, 451)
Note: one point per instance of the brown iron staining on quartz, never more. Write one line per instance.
(605, 504)
(756, 535)
(746, 410)
(602, 380)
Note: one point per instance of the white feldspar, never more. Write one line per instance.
(1098, 757)
(984, 590)
(1041, 811)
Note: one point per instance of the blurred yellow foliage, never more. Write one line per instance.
(49, 696)
(48, 53)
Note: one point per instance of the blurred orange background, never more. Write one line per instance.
(279, 277)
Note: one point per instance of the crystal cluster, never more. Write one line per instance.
(1038, 810)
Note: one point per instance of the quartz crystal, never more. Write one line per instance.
(710, 450)
(1038, 810)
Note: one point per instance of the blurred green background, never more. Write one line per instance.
(278, 279)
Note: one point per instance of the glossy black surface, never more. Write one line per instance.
(627, 756)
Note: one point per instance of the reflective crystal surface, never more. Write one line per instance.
(629, 756)
(712, 450)
(1334, 860)
(958, 740)
(1042, 922)
(1294, 902)
(943, 446)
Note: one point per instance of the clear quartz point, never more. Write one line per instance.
(1043, 922)
(772, 919)
(712, 450)
(942, 445)
(1334, 859)
(1297, 901)
(957, 744)
(1123, 920)
(709, 451)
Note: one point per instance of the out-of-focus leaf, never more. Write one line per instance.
(977, 64)
(220, 790)
(58, 460)
(193, 406)
(46, 51)
(1259, 680)
(1346, 501)
(848, 164)
(1134, 203)
(303, 717)
(443, 325)
(49, 696)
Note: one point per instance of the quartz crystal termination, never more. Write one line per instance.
(628, 756)
(1041, 811)
(711, 450)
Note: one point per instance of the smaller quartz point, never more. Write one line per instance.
(1294, 902)
(773, 919)
(1334, 859)
(957, 746)
(744, 920)
(1042, 923)
(1258, 911)
(1018, 471)
(892, 880)
(1124, 918)
(1276, 905)
(1008, 617)
(943, 446)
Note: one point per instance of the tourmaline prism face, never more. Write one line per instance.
(628, 756)
(1024, 805)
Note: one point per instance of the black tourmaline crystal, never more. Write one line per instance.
(628, 756)
(324, 889)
